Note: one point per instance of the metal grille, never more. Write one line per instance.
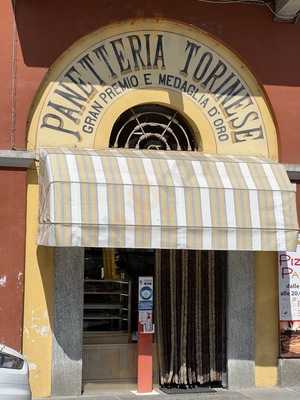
(152, 127)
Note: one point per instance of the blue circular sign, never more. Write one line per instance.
(146, 293)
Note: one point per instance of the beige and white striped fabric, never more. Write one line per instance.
(173, 200)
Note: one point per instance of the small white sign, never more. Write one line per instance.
(144, 316)
(289, 285)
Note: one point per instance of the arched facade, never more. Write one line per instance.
(125, 65)
(152, 61)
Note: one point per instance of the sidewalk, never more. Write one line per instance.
(292, 393)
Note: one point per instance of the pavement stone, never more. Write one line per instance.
(296, 388)
(271, 394)
(291, 393)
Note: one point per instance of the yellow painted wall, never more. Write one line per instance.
(267, 336)
(38, 303)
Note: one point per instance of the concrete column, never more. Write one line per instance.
(67, 321)
(241, 320)
(289, 372)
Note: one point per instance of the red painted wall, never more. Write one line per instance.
(12, 247)
(6, 20)
(298, 201)
(12, 193)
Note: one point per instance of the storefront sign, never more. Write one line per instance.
(289, 303)
(142, 60)
(207, 76)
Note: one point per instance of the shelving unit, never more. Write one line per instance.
(106, 306)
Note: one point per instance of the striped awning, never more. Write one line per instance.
(155, 199)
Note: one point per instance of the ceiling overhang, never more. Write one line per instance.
(287, 10)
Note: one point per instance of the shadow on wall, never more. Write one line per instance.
(46, 29)
(57, 268)
(267, 325)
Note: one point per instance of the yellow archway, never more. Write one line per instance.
(156, 61)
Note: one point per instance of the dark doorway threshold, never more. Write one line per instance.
(185, 389)
(179, 390)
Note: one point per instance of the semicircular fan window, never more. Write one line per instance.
(152, 127)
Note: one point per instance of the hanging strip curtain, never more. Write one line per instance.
(172, 200)
(190, 316)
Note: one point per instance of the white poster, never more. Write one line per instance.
(289, 303)
(289, 285)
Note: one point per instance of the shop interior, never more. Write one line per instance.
(189, 349)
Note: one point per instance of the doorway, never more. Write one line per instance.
(110, 314)
(190, 304)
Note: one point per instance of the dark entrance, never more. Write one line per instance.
(190, 309)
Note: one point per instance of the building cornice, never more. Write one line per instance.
(16, 158)
(293, 171)
(25, 159)
(287, 10)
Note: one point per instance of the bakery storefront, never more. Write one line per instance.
(157, 157)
